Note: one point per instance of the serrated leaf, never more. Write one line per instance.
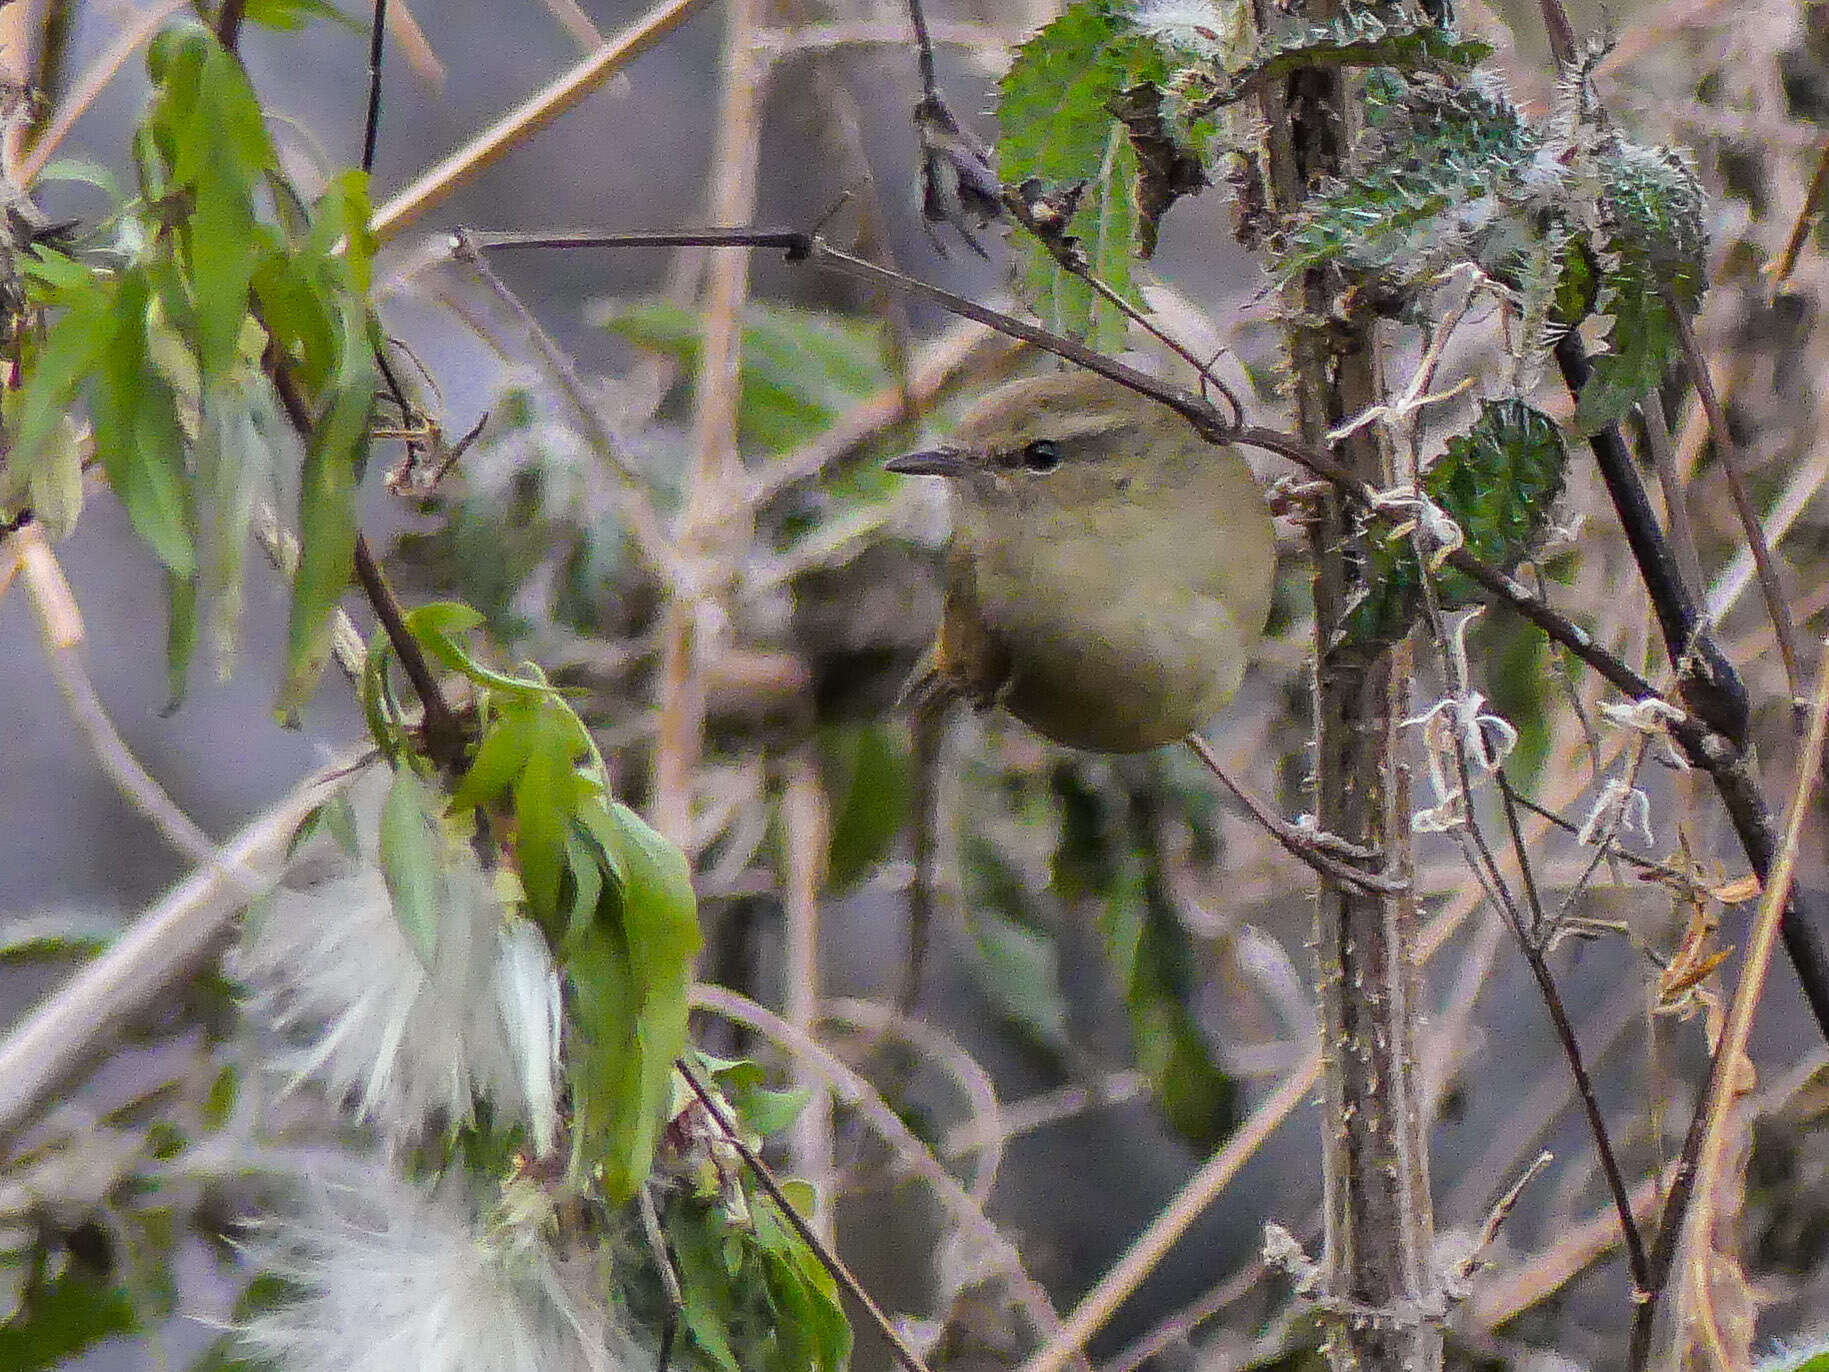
(1054, 114)
(412, 858)
(1499, 482)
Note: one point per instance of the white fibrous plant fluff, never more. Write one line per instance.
(1212, 30)
(408, 1041)
(385, 1275)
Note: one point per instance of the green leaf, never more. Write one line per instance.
(866, 772)
(1054, 113)
(65, 1315)
(704, 1295)
(1154, 959)
(543, 805)
(137, 433)
(233, 461)
(506, 744)
(412, 858)
(631, 967)
(296, 14)
(1358, 39)
(800, 368)
(1499, 483)
(180, 637)
(1651, 247)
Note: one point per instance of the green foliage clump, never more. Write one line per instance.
(1079, 840)
(753, 1296)
(1650, 245)
(163, 337)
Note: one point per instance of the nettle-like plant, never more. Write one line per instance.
(487, 955)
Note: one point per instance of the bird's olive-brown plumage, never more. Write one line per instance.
(1109, 570)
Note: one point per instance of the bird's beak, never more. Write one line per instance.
(935, 462)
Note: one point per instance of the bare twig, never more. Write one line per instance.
(861, 1096)
(1670, 482)
(1733, 464)
(1152, 1245)
(821, 1250)
(714, 471)
(371, 122)
(1571, 1047)
(167, 944)
(638, 508)
(965, 347)
(1538, 1276)
(1309, 848)
(93, 81)
(1806, 217)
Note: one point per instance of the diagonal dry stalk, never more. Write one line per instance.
(437, 183)
(711, 531)
(1730, 1052)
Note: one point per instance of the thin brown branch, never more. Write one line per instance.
(638, 509)
(1733, 463)
(1806, 217)
(821, 1250)
(710, 528)
(94, 80)
(806, 823)
(1312, 849)
(965, 1212)
(166, 945)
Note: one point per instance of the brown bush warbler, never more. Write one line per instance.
(1109, 570)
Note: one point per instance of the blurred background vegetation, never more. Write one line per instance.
(1117, 979)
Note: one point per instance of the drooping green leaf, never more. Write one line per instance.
(412, 856)
(1152, 954)
(1018, 968)
(800, 369)
(1499, 483)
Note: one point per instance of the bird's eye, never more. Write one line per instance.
(1043, 455)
